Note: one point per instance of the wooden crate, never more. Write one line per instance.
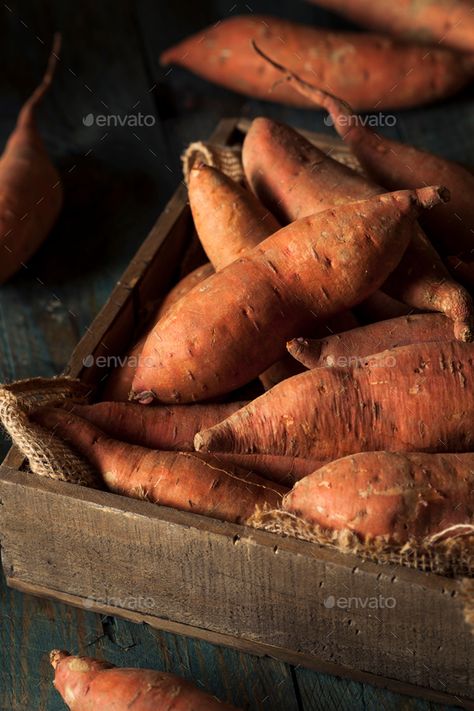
(221, 582)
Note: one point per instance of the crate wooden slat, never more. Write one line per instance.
(225, 583)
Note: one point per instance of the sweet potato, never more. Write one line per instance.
(181, 480)
(381, 307)
(211, 341)
(369, 71)
(349, 347)
(170, 428)
(183, 286)
(119, 383)
(229, 220)
(413, 398)
(31, 193)
(393, 495)
(88, 684)
(449, 24)
(174, 427)
(295, 179)
(396, 165)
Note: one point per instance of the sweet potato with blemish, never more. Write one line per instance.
(294, 179)
(224, 333)
(370, 71)
(228, 218)
(31, 193)
(396, 165)
(449, 24)
(350, 346)
(394, 495)
(88, 684)
(181, 480)
(413, 398)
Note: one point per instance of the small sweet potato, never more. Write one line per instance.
(368, 70)
(210, 342)
(352, 346)
(88, 684)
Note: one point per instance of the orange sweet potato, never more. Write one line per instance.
(449, 24)
(174, 427)
(210, 342)
(396, 166)
(31, 193)
(369, 71)
(351, 346)
(181, 480)
(294, 179)
(88, 684)
(413, 398)
(229, 220)
(394, 495)
(184, 285)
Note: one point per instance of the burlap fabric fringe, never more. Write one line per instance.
(228, 159)
(47, 454)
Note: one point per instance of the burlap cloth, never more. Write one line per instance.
(451, 554)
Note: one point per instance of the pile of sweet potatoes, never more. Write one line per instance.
(369, 425)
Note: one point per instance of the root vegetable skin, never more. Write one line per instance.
(369, 71)
(211, 341)
(88, 684)
(160, 427)
(184, 481)
(351, 346)
(184, 286)
(392, 402)
(397, 166)
(430, 21)
(174, 427)
(229, 220)
(30, 186)
(295, 179)
(119, 383)
(392, 495)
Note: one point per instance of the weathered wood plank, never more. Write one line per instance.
(129, 549)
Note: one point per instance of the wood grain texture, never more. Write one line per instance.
(208, 574)
(116, 186)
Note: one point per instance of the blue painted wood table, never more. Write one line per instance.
(117, 179)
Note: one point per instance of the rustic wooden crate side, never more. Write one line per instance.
(237, 582)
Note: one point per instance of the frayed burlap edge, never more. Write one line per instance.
(452, 554)
(47, 455)
(228, 159)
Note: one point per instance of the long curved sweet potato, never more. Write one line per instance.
(351, 346)
(449, 24)
(393, 495)
(367, 70)
(31, 193)
(413, 398)
(295, 179)
(183, 481)
(211, 341)
(396, 166)
(88, 684)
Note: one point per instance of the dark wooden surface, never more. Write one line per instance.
(117, 181)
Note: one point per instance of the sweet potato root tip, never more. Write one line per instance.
(56, 656)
